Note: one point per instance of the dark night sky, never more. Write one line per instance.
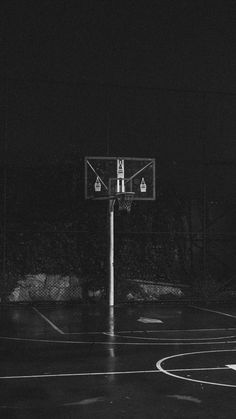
(134, 78)
(124, 78)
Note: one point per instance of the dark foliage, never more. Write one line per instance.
(51, 229)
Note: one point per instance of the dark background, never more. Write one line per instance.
(130, 79)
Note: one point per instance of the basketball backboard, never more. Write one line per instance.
(107, 176)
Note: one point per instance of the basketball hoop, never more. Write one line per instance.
(125, 200)
(121, 179)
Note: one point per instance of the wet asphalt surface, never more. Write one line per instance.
(136, 361)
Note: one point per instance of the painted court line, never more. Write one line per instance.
(180, 377)
(88, 374)
(48, 321)
(170, 339)
(112, 343)
(214, 311)
(232, 366)
(86, 333)
(176, 330)
(154, 331)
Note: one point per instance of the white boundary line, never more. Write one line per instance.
(87, 333)
(170, 339)
(169, 372)
(153, 331)
(214, 311)
(75, 342)
(77, 374)
(176, 330)
(89, 374)
(48, 321)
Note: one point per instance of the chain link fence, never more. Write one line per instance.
(178, 248)
(54, 245)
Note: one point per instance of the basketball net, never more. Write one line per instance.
(125, 201)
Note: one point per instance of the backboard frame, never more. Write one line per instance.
(148, 164)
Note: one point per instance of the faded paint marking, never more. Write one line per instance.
(185, 398)
(147, 320)
(214, 311)
(85, 401)
(48, 321)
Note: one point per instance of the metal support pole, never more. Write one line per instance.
(204, 192)
(204, 228)
(111, 253)
(4, 197)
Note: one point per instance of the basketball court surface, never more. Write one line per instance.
(128, 361)
(137, 361)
